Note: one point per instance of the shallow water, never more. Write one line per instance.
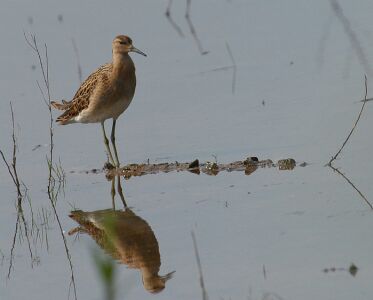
(269, 235)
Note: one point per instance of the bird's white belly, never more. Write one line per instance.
(114, 110)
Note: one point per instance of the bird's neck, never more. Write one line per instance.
(122, 65)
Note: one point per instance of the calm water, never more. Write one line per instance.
(269, 235)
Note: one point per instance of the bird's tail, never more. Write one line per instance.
(61, 106)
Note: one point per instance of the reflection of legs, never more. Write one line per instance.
(120, 192)
(113, 143)
(106, 141)
(113, 192)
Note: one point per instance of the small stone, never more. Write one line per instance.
(194, 164)
(353, 270)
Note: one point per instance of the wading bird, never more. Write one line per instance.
(105, 94)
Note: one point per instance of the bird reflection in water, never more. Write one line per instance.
(127, 238)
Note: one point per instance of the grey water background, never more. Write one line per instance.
(293, 56)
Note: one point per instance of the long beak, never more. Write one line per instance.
(133, 49)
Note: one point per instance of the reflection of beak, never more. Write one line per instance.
(168, 276)
(133, 49)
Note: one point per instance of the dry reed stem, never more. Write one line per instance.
(329, 164)
(201, 280)
(76, 51)
(234, 68)
(52, 195)
(353, 128)
(12, 170)
(12, 167)
(354, 186)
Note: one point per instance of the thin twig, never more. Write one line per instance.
(234, 67)
(76, 51)
(171, 20)
(201, 281)
(354, 186)
(345, 142)
(366, 100)
(337, 9)
(23, 219)
(8, 166)
(14, 162)
(353, 128)
(52, 194)
(13, 247)
(12, 169)
(192, 29)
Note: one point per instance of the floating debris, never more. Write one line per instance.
(248, 166)
(194, 167)
(194, 164)
(108, 166)
(286, 164)
(36, 147)
(352, 270)
(211, 168)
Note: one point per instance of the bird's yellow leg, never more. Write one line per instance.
(113, 143)
(106, 141)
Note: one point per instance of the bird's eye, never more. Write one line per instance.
(123, 42)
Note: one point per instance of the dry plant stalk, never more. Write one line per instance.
(201, 280)
(353, 185)
(353, 128)
(76, 51)
(234, 67)
(12, 170)
(52, 193)
(330, 163)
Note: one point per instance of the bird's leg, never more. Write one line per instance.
(120, 192)
(113, 143)
(113, 192)
(106, 141)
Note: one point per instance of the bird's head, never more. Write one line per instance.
(122, 44)
(155, 284)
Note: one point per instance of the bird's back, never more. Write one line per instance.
(81, 99)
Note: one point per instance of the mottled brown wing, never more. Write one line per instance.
(81, 98)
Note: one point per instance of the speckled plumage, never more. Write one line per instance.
(81, 98)
(106, 93)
